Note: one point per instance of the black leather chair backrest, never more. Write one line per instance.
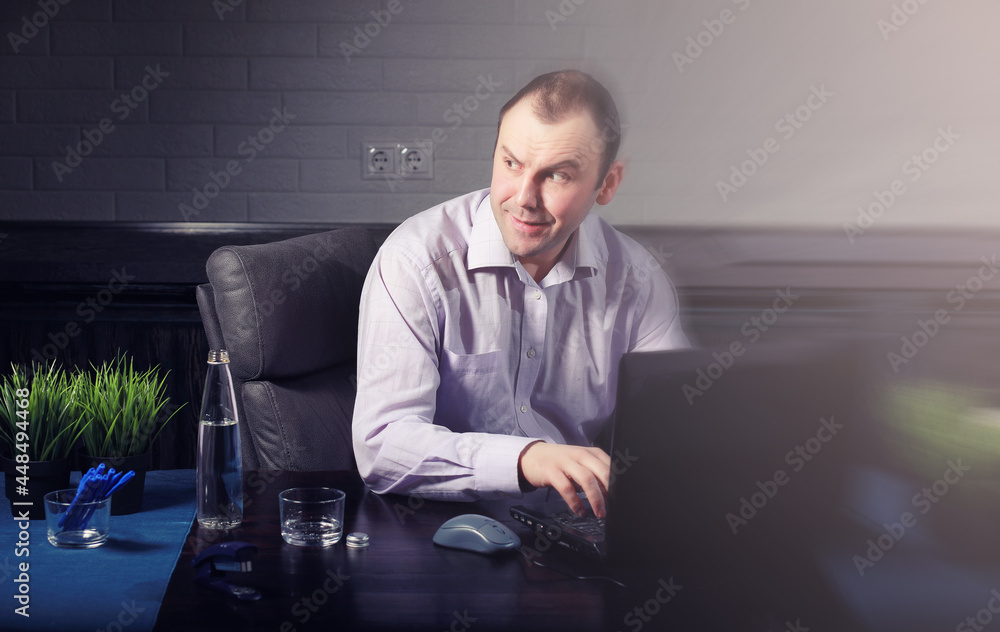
(287, 312)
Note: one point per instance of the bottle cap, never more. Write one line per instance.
(218, 355)
(357, 540)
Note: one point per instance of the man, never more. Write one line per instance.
(492, 325)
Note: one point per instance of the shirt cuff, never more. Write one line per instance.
(496, 466)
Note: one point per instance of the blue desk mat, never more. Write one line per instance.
(116, 586)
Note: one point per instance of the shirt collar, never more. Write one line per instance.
(588, 239)
(579, 261)
(487, 249)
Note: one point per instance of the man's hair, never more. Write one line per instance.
(563, 93)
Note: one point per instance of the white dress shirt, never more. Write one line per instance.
(463, 360)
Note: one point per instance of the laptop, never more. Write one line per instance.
(772, 487)
(714, 453)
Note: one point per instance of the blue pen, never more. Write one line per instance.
(93, 495)
(96, 485)
(110, 483)
(80, 495)
(105, 484)
(114, 480)
(83, 480)
(70, 516)
(129, 476)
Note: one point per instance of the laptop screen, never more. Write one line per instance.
(727, 469)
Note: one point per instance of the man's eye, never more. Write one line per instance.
(559, 177)
(509, 163)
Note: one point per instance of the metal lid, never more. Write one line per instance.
(357, 540)
(217, 356)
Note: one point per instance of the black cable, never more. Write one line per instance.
(571, 575)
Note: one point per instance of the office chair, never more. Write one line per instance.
(287, 312)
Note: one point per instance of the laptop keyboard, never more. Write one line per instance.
(589, 524)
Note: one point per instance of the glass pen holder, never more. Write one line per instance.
(80, 525)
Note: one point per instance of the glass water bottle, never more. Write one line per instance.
(220, 465)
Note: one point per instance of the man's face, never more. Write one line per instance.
(545, 181)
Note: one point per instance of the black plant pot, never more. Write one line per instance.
(128, 499)
(43, 477)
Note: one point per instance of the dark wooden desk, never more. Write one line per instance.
(402, 581)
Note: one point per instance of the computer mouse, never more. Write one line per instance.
(472, 532)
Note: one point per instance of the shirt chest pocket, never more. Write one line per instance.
(475, 393)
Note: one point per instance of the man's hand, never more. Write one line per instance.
(566, 467)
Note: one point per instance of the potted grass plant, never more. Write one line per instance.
(126, 409)
(39, 425)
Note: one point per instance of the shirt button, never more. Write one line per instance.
(531, 353)
(524, 408)
(537, 295)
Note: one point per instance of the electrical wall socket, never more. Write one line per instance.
(407, 160)
(416, 160)
(378, 160)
